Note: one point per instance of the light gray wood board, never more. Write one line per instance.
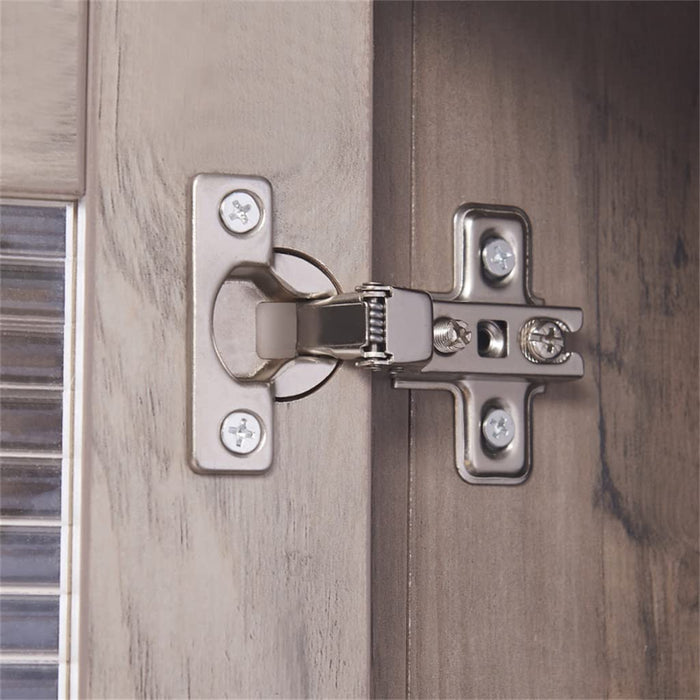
(42, 98)
(232, 586)
(584, 581)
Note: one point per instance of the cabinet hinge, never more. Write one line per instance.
(271, 324)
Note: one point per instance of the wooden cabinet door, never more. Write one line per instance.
(195, 585)
(583, 582)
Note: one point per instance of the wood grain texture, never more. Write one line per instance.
(584, 581)
(391, 261)
(42, 97)
(233, 586)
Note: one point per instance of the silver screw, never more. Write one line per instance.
(451, 335)
(498, 428)
(542, 340)
(240, 212)
(498, 258)
(241, 432)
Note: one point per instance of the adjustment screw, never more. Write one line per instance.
(451, 335)
(497, 258)
(542, 340)
(241, 432)
(498, 428)
(240, 212)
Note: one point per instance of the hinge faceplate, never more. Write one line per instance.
(488, 341)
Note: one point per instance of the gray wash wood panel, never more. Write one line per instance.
(42, 98)
(233, 586)
(584, 581)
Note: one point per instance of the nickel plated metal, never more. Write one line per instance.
(488, 340)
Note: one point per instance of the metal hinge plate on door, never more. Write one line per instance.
(271, 324)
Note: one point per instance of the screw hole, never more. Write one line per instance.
(492, 338)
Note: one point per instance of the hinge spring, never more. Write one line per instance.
(377, 321)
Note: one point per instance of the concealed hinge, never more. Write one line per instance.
(272, 325)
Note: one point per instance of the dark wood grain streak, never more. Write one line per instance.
(584, 581)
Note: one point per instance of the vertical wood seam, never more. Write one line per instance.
(411, 403)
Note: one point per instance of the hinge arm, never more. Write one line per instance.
(377, 326)
(406, 332)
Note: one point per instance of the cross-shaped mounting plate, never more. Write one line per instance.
(497, 372)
